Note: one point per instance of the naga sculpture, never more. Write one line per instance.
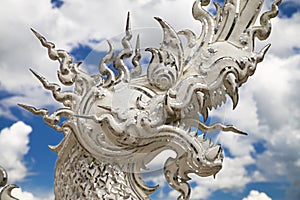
(116, 123)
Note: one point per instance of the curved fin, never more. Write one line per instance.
(171, 43)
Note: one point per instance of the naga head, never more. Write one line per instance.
(204, 161)
(124, 122)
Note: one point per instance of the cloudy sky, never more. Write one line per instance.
(264, 165)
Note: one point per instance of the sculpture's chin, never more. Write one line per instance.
(215, 157)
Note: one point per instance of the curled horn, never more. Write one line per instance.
(124, 72)
(51, 120)
(207, 20)
(104, 69)
(263, 31)
(67, 72)
(64, 97)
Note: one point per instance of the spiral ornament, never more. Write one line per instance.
(162, 71)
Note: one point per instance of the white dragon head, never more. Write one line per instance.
(117, 124)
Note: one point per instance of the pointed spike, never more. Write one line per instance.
(109, 45)
(33, 72)
(235, 98)
(128, 23)
(200, 99)
(77, 65)
(39, 36)
(103, 69)
(105, 108)
(55, 149)
(38, 76)
(200, 138)
(166, 26)
(138, 42)
(206, 143)
(237, 131)
(26, 107)
(204, 113)
(137, 70)
(52, 53)
(54, 88)
(212, 153)
(193, 132)
(44, 42)
(110, 55)
(232, 89)
(33, 110)
(261, 55)
(170, 36)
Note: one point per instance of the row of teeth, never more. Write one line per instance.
(213, 152)
(201, 138)
(206, 142)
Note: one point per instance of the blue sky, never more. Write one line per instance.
(264, 165)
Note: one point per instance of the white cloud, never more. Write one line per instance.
(283, 47)
(24, 195)
(13, 146)
(255, 195)
(269, 108)
(269, 111)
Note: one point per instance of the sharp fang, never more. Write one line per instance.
(232, 89)
(260, 56)
(215, 176)
(204, 113)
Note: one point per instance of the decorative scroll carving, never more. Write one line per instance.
(118, 123)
